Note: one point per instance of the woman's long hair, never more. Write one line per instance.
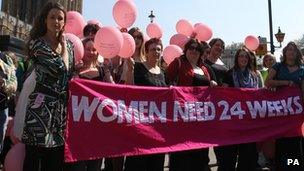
(299, 56)
(249, 65)
(142, 47)
(39, 27)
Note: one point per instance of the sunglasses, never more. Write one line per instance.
(194, 48)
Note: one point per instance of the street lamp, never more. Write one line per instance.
(151, 16)
(279, 36)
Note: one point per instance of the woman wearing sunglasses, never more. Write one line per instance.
(189, 70)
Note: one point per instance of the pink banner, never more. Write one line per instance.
(107, 120)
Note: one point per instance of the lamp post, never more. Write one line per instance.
(151, 16)
(279, 36)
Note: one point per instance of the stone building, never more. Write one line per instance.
(16, 17)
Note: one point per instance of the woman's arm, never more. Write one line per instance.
(64, 51)
(270, 82)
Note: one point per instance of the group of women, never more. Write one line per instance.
(41, 109)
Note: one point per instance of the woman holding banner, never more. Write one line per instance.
(41, 109)
(91, 69)
(189, 70)
(243, 75)
(138, 55)
(289, 72)
(148, 73)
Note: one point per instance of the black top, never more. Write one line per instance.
(210, 71)
(200, 80)
(220, 72)
(100, 77)
(143, 77)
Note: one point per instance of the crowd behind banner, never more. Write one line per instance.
(42, 94)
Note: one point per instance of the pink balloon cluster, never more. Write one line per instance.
(200, 31)
(110, 42)
(74, 23)
(252, 42)
(124, 13)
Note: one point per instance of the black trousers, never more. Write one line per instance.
(89, 165)
(245, 155)
(43, 159)
(114, 164)
(154, 162)
(194, 160)
(289, 148)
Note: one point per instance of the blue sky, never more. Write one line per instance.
(230, 20)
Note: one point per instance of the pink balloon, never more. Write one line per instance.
(179, 40)
(154, 30)
(171, 52)
(75, 23)
(128, 46)
(108, 41)
(14, 158)
(184, 27)
(124, 13)
(196, 25)
(203, 32)
(80, 36)
(78, 46)
(94, 21)
(252, 42)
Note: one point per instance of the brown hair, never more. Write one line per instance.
(86, 40)
(39, 27)
(142, 47)
(90, 28)
(152, 41)
(299, 56)
(214, 40)
(236, 57)
(193, 41)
